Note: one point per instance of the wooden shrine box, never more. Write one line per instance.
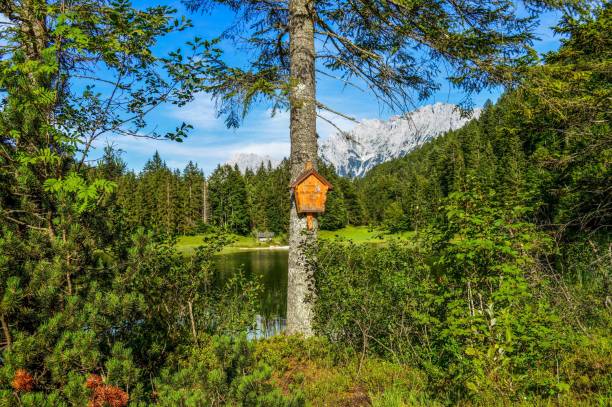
(310, 191)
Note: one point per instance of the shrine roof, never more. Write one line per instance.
(307, 174)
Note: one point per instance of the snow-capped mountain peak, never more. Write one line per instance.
(374, 141)
(251, 161)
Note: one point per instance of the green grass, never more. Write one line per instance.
(362, 234)
(187, 244)
(358, 234)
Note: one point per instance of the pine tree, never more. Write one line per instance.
(192, 191)
(335, 216)
(67, 305)
(352, 201)
(228, 199)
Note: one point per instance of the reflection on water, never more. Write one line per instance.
(270, 267)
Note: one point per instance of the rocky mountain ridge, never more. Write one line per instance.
(374, 141)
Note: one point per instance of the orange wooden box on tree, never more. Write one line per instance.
(310, 192)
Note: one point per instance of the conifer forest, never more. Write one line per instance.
(488, 281)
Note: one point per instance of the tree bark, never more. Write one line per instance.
(6, 332)
(192, 320)
(204, 202)
(303, 149)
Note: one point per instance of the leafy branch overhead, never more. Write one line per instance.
(100, 62)
(400, 50)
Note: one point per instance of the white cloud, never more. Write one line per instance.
(277, 150)
(168, 149)
(177, 155)
(201, 113)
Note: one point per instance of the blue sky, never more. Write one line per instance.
(211, 143)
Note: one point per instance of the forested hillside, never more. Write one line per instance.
(509, 292)
(544, 146)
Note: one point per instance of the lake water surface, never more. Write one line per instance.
(270, 268)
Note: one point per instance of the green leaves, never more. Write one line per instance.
(495, 316)
(223, 371)
(76, 191)
(375, 299)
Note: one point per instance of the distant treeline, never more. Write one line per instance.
(174, 202)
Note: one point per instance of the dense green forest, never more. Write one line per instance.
(173, 202)
(502, 298)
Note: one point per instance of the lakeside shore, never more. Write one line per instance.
(357, 234)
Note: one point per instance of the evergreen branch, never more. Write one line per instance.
(337, 113)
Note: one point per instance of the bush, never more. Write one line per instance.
(222, 371)
(372, 298)
(473, 307)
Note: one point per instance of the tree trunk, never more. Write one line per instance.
(303, 149)
(206, 206)
(168, 207)
(6, 332)
(192, 320)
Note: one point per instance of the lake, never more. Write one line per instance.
(270, 267)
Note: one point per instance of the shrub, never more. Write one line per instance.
(471, 306)
(373, 298)
(221, 371)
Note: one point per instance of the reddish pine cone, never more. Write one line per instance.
(23, 381)
(110, 396)
(93, 381)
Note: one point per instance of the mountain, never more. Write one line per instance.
(373, 141)
(251, 161)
